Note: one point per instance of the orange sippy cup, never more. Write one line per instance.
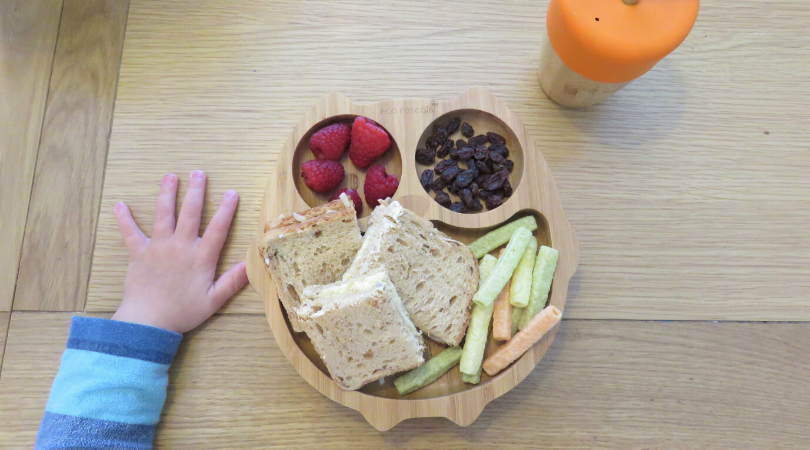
(593, 48)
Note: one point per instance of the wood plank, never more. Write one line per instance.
(5, 317)
(684, 206)
(28, 30)
(603, 384)
(54, 270)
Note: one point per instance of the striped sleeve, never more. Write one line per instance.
(110, 388)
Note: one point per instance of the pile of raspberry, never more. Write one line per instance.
(366, 141)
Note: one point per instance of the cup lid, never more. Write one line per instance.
(609, 41)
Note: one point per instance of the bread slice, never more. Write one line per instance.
(313, 247)
(436, 276)
(361, 330)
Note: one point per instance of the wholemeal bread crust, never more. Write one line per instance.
(334, 210)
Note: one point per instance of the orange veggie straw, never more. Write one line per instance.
(528, 336)
(502, 315)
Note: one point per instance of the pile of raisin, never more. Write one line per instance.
(484, 176)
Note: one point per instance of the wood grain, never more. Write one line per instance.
(603, 384)
(406, 122)
(5, 317)
(684, 207)
(28, 30)
(58, 244)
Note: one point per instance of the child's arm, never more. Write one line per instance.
(112, 383)
(110, 388)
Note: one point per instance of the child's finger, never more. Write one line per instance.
(228, 284)
(188, 222)
(214, 237)
(164, 211)
(133, 236)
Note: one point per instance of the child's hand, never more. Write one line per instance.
(170, 278)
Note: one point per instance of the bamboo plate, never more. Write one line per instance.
(410, 122)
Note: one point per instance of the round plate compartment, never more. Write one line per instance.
(391, 159)
(482, 123)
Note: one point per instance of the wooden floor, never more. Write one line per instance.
(689, 192)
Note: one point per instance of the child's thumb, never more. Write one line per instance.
(229, 284)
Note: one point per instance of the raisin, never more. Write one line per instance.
(471, 165)
(494, 201)
(443, 199)
(496, 157)
(498, 192)
(496, 138)
(481, 152)
(444, 150)
(451, 172)
(431, 143)
(495, 181)
(479, 180)
(490, 184)
(465, 153)
(509, 165)
(484, 167)
(452, 127)
(465, 178)
(457, 207)
(454, 152)
(507, 189)
(441, 136)
(466, 197)
(476, 205)
(426, 179)
(444, 165)
(461, 143)
(477, 140)
(425, 156)
(498, 167)
(467, 130)
(474, 190)
(499, 148)
(453, 188)
(437, 185)
(484, 193)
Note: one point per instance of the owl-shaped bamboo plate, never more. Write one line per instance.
(410, 122)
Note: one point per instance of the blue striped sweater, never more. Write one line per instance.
(110, 388)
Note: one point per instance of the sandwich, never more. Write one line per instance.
(435, 276)
(314, 247)
(360, 329)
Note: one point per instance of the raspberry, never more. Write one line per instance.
(379, 185)
(322, 175)
(352, 194)
(330, 142)
(369, 141)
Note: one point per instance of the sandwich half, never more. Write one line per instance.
(314, 247)
(361, 330)
(436, 276)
